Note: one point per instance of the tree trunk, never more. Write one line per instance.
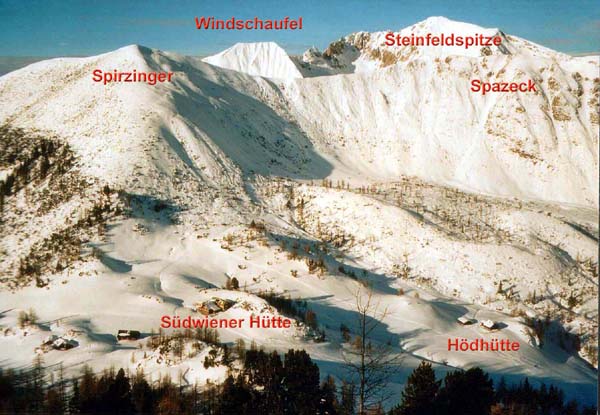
(361, 402)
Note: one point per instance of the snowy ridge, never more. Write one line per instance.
(261, 59)
(446, 196)
(394, 122)
(364, 52)
(349, 123)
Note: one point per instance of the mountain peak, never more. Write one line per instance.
(365, 51)
(139, 54)
(266, 59)
(439, 24)
(144, 198)
(134, 49)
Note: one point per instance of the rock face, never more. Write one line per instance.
(414, 115)
(388, 117)
(364, 52)
(153, 192)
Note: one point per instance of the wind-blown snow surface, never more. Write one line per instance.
(225, 148)
(263, 59)
(391, 116)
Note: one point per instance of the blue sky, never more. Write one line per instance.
(72, 28)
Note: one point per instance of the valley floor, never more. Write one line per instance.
(430, 254)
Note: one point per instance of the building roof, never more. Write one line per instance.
(212, 305)
(50, 339)
(60, 343)
(489, 324)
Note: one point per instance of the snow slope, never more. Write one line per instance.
(396, 121)
(365, 52)
(467, 191)
(379, 125)
(262, 59)
(387, 117)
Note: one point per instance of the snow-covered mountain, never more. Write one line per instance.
(393, 119)
(364, 51)
(263, 59)
(376, 162)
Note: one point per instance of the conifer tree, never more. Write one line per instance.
(348, 398)
(291, 387)
(38, 384)
(88, 390)
(120, 390)
(328, 404)
(75, 401)
(61, 388)
(501, 389)
(235, 397)
(141, 394)
(301, 383)
(52, 403)
(470, 393)
(420, 392)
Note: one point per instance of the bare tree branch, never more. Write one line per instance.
(369, 363)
